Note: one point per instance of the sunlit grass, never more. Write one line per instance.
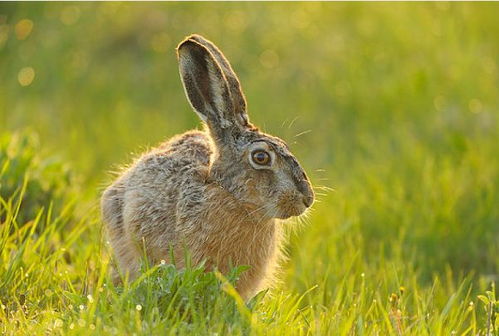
(55, 281)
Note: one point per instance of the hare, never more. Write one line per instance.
(217, 192)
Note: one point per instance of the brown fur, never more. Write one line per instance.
(200, 191)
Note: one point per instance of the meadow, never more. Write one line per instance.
(393, 110)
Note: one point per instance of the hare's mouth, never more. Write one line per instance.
(290, 205)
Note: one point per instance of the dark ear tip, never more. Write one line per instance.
(187, 47)
(191, 39)
(196, 37)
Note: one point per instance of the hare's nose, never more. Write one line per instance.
(307, 192)
(308, 200)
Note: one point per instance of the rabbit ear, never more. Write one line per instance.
(236, 92)
(211, 86)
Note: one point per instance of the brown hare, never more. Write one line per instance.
(217, 192)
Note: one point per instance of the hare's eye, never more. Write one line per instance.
(261, 157)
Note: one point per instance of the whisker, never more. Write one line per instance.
(302, 133)
(324, 188)
(284, 122)
(293, 121)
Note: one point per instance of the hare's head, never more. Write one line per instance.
(257, 168)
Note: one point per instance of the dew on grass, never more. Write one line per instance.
(470, 306)
(23, 29)
(138, 307)
(269, 59)
(393, 298)
(70, 15)
(475, 106)
(26, 76)
(82, 307)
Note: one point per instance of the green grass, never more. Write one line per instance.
(393, 106)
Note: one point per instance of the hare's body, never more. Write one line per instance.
(159, 204)
(215, 194)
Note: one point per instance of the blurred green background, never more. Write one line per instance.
(395, 106)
